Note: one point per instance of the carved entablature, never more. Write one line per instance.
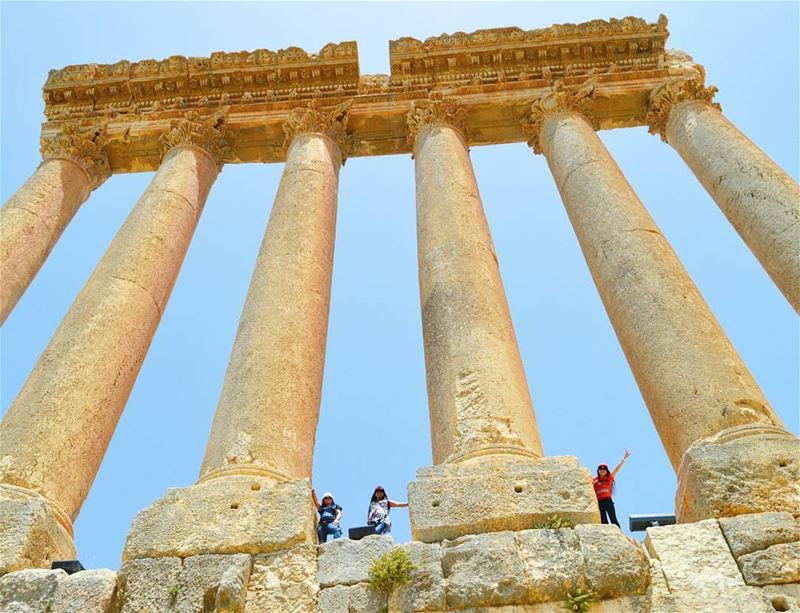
(576, 99)
(312, 118)
(664, 98)
(436, 110)
(197, 82)
(84, 147)
(512, 54)
(207, 133)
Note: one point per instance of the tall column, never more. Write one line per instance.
(482, 420)
(58, 428)
(267, 415)
(715, 423)
(759, 199)
(253, 494)
(32, 220)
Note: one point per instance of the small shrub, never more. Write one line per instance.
(391, 570)
(173, 594)
(554, 523)
(580, 601)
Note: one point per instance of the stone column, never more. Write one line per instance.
(58, 428)
(715, 423)
(480, 407)
(756, 195)
(32, 220)
(253, 494)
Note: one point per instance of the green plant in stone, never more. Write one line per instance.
(554, 523)
(173, 594)
(580, 601)
(391, 570)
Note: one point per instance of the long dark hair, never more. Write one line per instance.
(374, 499)
(609, 477)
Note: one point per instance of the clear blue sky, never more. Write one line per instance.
(374, 417)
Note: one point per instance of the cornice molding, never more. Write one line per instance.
(436, 110)
(664, 98)
(207, 133)
(84, 147)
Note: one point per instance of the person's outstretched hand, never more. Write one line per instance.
(627, 453)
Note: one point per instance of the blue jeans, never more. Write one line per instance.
(382, 528)
(323, 530)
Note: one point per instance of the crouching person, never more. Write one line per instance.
(330, 514)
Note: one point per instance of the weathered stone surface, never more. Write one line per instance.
(552, 564)
(345, 562)
(30, 535)
(89, 591)
(694, 556)
(148, 584)
(29, 591)
(357, 598)
(284, 581)
(201, 578)
(493, 494)
(749, 533)
(616, 565)
(483, 570)
(742, 470)
(233, 514)
(785, 597)
(425, 591)
(775, 564)
(744, 599)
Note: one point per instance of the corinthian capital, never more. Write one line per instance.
(664, 98)
(84, 147)
(560, 100)
(435, 110)
(314, 119)
(208, 133)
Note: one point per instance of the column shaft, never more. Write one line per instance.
(269, 407)
(692, 380)
(477, 391)
(759, 199)
(58, 428)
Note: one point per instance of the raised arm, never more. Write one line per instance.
(314, 498)
(393, 504)
(621, 462)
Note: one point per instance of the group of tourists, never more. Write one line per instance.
(330, 513)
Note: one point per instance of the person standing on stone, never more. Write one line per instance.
(604, 488)
(330, 514)
(378, 514)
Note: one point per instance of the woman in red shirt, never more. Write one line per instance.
(604, 487)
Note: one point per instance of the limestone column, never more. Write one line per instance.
(57, 430)
(32, 220)
(485, 440)
(755, 194)
(268, 410)
(727, 444)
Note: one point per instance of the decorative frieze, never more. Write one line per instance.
(206, 133)
(664, 98)
(84, 147)
(436, 109)
(312, 118)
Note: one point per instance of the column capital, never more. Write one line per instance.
(665, 97)
(560, 100)
(206, 133)
(313, 119)
(433, 110)
(84, 147)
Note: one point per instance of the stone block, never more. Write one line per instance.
(483, 570)
(775, 564)
(351, 599)
(694, 556)
(738, 472)
(29, 591)
(201, 580)
(425, 591)
(749, 533)
(88, 591)
(710, 599)
(785, 597)
(552, 564)
(30, 535)
(284, 581)
(346, 562)
(227, 515)
(494, 494)
(616, 565)
(148, 584)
